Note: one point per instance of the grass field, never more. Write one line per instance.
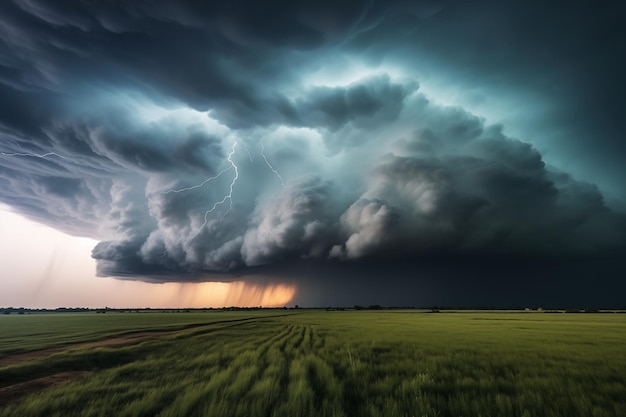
(317, 363)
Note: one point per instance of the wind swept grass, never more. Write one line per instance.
(344, 364)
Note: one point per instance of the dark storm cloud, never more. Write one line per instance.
(551, 67)
(212, 140)
(233, 54)
(452, 186)
(298, 222)
(369, 103)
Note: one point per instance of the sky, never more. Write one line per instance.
(401, 153)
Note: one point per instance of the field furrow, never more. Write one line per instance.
(342, 364)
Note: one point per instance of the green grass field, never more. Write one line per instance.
(318, 363)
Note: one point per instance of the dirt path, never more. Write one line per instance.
(12, 393)
(119, 340)
(15, 392)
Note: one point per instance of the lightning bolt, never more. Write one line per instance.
(33, 155)
(228, 197)
(248, 150)
(270, 165)
(180, 190)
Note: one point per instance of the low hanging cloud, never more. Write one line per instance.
(450, 184)
(191, 155)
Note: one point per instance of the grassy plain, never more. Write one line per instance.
(318, 363)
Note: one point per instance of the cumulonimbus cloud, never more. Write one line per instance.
(184, 161)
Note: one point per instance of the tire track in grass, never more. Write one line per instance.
(299, 398)
(320, 375)
(325, 385)
(307, 340)
(266, 389)
(127, 338)
(319, 341)
(266, 392)
(275, 381)
(222, 392)
(254, 365)
(284, 355)
(283, 346)
(294, 344)
(199, 394)
(16, 391)
(260, 377)
(310, 386)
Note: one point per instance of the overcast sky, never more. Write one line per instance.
(397, 153)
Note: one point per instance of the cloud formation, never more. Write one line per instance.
(192, 143)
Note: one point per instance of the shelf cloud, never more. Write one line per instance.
(208, 142)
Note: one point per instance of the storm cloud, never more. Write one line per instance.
(209, 142)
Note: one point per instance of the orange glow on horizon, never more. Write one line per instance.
(57, 270)
(226, 294)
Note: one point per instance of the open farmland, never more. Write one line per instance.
(313, 363)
